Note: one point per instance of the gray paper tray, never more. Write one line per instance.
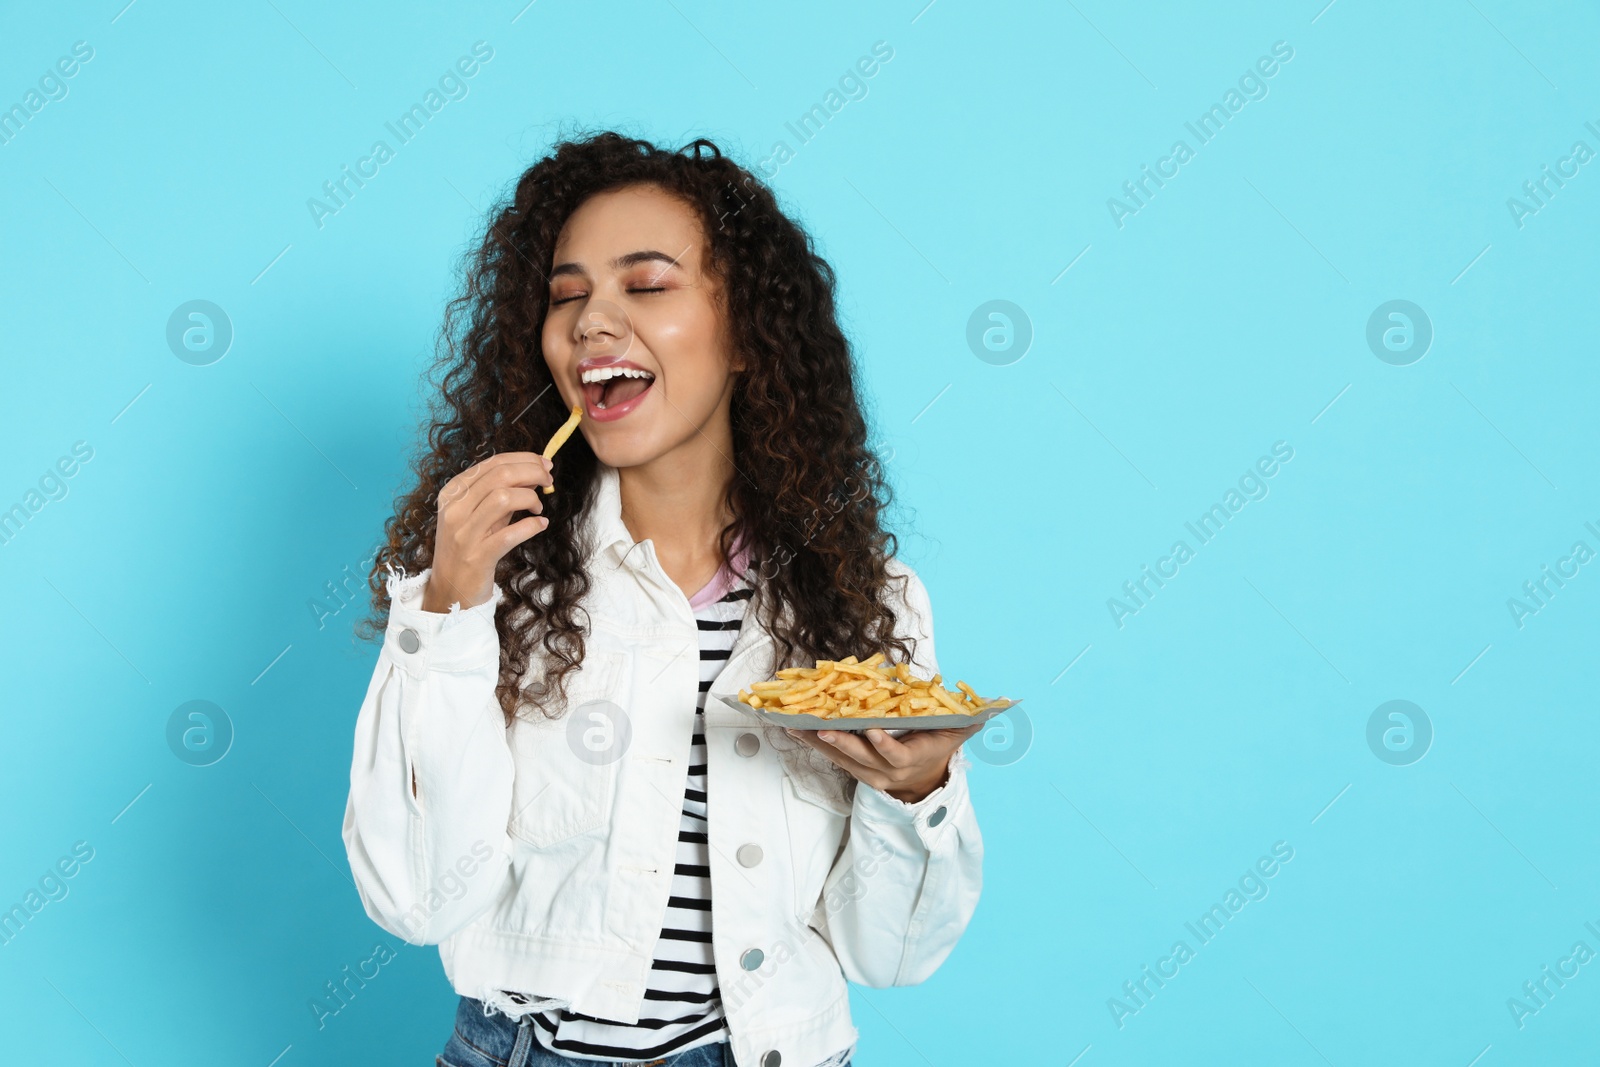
(897, 723)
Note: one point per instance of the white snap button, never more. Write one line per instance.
(749, 855)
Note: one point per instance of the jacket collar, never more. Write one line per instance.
(607, 534)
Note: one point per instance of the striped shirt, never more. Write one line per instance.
(682, 1006)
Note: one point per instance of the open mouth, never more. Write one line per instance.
(608, 388)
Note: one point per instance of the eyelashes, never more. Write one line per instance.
(567, 299)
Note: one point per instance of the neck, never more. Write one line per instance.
(678, 502)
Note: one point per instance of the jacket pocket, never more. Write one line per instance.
(566, 768)
(816, 829)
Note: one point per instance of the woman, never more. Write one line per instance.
(616, 864)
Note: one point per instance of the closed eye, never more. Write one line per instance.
(576, 296)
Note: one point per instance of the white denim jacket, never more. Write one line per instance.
(540, 868)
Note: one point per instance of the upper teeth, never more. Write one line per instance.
(601, 374)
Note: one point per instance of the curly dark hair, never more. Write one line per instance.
(808, 492)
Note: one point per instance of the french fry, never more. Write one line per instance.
(852, 688)
(559, 438)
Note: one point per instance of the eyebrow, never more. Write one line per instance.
(648, 255)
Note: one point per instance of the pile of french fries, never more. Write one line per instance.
(869, 688)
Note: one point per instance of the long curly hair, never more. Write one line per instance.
(807, 494)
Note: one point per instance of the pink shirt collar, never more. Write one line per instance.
(724, 580)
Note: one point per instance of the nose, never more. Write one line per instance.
(604, 328)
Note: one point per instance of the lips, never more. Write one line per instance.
(612, 387)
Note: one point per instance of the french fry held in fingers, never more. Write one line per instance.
(559, 438)
(870, 688)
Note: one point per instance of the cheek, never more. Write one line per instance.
(691, 350)
(556, 345)
(687, 326)
(550, 335)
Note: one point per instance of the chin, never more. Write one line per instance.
(628, 449)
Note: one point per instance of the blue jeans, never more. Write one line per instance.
(496, 1041)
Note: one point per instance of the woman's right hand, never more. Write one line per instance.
(475, 528)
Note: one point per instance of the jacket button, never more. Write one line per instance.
(771, 1058)
(937, 817)
(409, 640)
(747, 744)
(752, 958)
(749, 855)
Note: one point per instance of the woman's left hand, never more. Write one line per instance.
(907, 768)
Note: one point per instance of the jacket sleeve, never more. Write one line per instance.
(429, 858)
(908, 876)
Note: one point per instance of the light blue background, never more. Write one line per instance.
(1228, 314)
